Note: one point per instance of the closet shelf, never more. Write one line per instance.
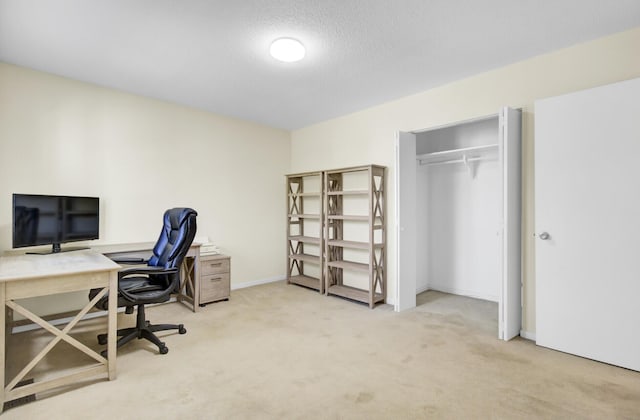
(457, 155)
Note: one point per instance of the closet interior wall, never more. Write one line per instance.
(458, 203)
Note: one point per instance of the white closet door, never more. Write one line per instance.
(406, 214)
(587, 201)
(510, 304)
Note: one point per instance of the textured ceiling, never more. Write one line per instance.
(213, 54)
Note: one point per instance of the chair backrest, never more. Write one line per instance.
(176, 237)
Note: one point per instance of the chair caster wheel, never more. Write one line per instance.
(164, 350)
(102, 339)
(182, 329)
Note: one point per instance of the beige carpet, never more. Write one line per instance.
(284, 352)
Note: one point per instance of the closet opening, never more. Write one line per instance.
(459, 207)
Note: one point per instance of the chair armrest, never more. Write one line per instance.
(142, 270)
(130, 260)
(146, 270)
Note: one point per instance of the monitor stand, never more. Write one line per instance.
(55, 248)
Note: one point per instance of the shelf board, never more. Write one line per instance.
(445, 155)
(365, 168)
(354, 293)
(349, 192)
(305, 257)
(349, 265)
(301, 175)
(304, 216)
(306, 194)
(305, 239)
(352, 244)
(352, 218)
(306, 281)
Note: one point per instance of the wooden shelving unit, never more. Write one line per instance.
(348, 206)
(305, 217)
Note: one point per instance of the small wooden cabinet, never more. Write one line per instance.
(215, 278)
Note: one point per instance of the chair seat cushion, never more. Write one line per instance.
(145, 289)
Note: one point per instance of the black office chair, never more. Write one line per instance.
(156, 282)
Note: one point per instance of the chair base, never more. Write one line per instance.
(143, 329)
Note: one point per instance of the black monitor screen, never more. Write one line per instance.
(54, 219)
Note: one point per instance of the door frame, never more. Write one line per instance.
(406, 277)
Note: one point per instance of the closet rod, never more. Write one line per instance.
(446, 162)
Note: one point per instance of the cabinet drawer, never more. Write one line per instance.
(214, 266)
(214, 287)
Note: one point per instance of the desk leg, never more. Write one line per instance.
(196, 282)
(3, 355)
(112, 326)
(189, 282)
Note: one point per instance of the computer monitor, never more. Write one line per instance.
(54, 219)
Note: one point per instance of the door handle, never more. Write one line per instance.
(544, 236)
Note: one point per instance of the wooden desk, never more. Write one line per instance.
(189, 292)
(25, 276)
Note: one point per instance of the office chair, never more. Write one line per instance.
(138, 286)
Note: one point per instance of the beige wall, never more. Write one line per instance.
(142, 156)
(369, 136)
(59, 136)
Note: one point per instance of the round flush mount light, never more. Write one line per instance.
(287, 50)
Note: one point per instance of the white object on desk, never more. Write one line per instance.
(206, 246)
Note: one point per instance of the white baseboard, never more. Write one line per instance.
(461, 292)
(422, 289)
(257, 282)
(528, 335)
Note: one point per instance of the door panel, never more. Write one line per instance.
(406, 217)
(511, 151)
(587, 204)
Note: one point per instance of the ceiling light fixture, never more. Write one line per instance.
(287, 50)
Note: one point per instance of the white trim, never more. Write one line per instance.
(456, 123)
(258, 282)
(528, 335)
(422, 289)
(462, 292)
(396, 167)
